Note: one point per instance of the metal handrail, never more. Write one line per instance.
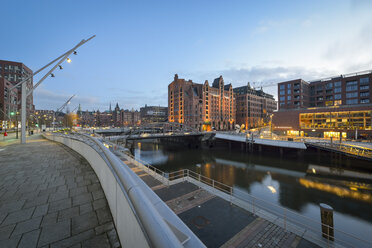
(153, 225)
(184, 173)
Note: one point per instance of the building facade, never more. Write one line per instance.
(348, 89)
(153, 114)
(15, 72)
(334, 107)
(254, 108)
(201, 106)
(131, 117)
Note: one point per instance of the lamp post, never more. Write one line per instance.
(26, 92)
(271, 125)
(60, 109)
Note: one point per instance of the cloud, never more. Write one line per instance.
(46, 99)
(354, 51)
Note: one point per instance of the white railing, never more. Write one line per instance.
(292, 221)
(160, 228)
(350, 149)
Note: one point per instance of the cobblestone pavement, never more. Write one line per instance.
(51, 197)
(215, 221)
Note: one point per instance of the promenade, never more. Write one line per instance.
(51, 197)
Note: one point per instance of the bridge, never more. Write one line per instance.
(360, 152)
(250, 140)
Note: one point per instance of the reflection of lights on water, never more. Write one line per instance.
(314, 171)
(353, 188)
(341, 192)
(272, 189)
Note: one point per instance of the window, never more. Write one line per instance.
(364, 100)
(282, 98)
(288, 98)
(351, 88)
(351, 95)
(289, 86)
(329, 85)
(337, 96)
(364, 94)
(365, 87)
(289, 91)
(338, 90)
(338, 84)
(282, 86)
(364, 81)
(352, 101)
(282, 92)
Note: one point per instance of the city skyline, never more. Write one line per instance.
(139, 47)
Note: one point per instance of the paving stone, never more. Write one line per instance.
(10, 243)
(40, 200)
(84, 183)
(49, 219)
(98, 194)
(78, 191)
(37, 186)
(113, 238)
(84, 222)
(74, 240)
(29, 239)
(59, 195)
(41, 210)
(81, 199)
(6, 231)
(9, 207)
(18, 216)
(2, 216)
(54, 232)
(104, 215)
(98, 241)
(104, 228)
(47, 191)
(94, 187)
(86, 208)
(101, 203)
(68, 213)
(27, 226)
(59, 205)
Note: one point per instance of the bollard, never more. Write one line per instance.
(326, 216)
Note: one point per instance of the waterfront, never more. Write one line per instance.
(296, 182)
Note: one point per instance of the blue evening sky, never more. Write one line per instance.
(140, 45)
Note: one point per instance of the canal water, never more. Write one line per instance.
(299, 182)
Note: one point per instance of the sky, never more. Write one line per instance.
(140, 45)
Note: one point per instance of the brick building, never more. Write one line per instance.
(15, 72)
(253, 107)
(201, 105)
(331, 107)
(10, 74)
(153, 114)
(131, 117)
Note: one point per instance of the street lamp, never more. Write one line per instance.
(26, 92)
(60, 109)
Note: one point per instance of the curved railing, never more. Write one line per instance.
(142, 210)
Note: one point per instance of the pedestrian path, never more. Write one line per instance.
(51, 197)
(215, 221)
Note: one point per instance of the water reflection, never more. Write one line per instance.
(296, 182)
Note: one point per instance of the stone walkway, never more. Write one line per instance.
(51, 197)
